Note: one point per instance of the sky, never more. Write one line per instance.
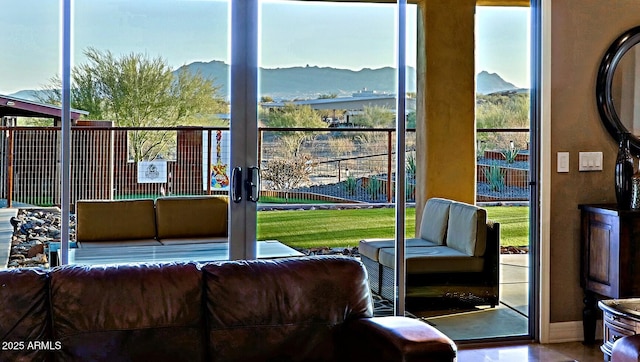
(340, 35)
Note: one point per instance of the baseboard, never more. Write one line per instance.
(570, 331)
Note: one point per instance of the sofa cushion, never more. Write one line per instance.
(109, 220)
(195, 240)
(371, 247)
(433, 225)
(191, 217)
(149, 312)
(118, 243)
(290, 308)
(24, 314)
(435, 259)
(467, 230)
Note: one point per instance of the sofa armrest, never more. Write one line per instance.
(626, 349)
(396, 339)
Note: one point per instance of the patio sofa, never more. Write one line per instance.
(168, 220)
(455, 255)
(300, 309)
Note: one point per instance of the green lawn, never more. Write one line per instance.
(344, 228)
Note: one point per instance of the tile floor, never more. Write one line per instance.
(556, 352)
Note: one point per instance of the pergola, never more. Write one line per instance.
(18, 107)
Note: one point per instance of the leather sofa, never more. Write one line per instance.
(455, 255)
(299, 309)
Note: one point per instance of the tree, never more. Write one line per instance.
(292, 116)
(287, 173)
(374, 117)
(135, 90)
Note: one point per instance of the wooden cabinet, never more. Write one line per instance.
(610, 258)
(620, 318)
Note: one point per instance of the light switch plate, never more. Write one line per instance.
(563, 161)
(590, 161)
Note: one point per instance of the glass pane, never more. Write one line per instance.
(327, 113)
(151, 80)
(30, 56)
(502, 116)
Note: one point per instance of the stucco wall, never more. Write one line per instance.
(445, 126)
(581, 31)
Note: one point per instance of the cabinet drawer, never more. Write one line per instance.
(619, 321)
(611, 334)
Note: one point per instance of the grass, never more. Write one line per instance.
(345, 228)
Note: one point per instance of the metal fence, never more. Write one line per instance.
(299, 165)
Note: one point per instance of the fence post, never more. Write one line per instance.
(209, 160)
(389, 160)
(10, 168)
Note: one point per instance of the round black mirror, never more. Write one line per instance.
(618, 88)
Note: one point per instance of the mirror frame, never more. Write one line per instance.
(604, 81)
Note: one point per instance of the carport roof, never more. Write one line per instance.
(17, 107)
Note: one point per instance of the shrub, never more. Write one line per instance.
(287, 173)
(373, 187)
(510, 154)
(410, 166)
(495, 177)
(410, 190)
(350, 185)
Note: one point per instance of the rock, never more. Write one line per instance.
(35, 250)
(34, 229)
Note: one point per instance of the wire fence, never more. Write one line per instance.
(301, 165)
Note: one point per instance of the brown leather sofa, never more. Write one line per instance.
(299, 309)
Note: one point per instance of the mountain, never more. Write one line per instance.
(491, 83)
(28, 94)
(312, 81)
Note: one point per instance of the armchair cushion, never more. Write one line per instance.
(467, 231)
(371, 247)
(435, 217)
(434, 260)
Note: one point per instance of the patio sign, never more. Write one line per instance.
(217, 175)
(150, 172)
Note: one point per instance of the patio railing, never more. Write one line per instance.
(348, 165)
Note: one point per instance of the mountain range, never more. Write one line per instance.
(310, 82)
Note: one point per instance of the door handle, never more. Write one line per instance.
(236, 184)
(253, 184)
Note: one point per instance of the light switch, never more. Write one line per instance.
(563, 161)
(590, 161)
